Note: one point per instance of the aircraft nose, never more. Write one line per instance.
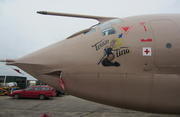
(44, 65)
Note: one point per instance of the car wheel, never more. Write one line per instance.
(41, 97)
(16, 96)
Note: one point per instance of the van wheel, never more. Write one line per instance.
(41, 97)
(16, 96)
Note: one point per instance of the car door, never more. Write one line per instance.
(45, 90)
(27, 92)
(35, 92)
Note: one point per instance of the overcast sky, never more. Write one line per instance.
(23, 31)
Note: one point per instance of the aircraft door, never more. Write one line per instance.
(167, 43)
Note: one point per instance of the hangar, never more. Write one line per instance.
(21, 81)
(14, 74)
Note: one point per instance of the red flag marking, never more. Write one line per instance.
(18, 71)
(125, 29)
(61, 83)
(146, 40)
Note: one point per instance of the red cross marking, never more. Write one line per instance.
(147, 51)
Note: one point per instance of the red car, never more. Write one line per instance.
(40, 92)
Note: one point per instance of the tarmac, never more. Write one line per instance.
(65, 106)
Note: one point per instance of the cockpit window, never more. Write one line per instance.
(91, 31)
(115, 21)
(108, 31)
(105, 25)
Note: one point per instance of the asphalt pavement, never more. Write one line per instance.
(65, 106)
